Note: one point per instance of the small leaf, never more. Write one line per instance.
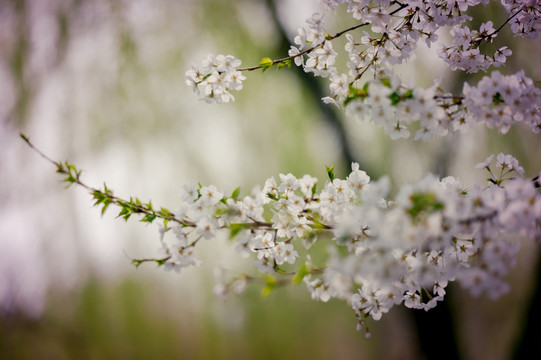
(385, 82)
(330, 172)
(283, 64)
(497, 99)
(394, 97)
(234, 229)
(105, 206)
(160, 262)
(149, 218)
(265, 63)
(366, 86)
(408, 94)
(235, 194)
(300, 274)
(149, 205)
(270, 284)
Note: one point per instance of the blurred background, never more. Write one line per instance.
(101, 83)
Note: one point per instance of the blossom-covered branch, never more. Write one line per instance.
(397, 29)
(400, 251)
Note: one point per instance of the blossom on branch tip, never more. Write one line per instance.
(218, 76)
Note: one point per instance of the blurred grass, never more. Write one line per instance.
(131, 320)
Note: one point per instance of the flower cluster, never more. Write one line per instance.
(401, 251)
(501, 101)
(465, 53)
(395, 108)
(406, 250)
(498, 101)
(527, 17)
(396, 29)
(218, 76)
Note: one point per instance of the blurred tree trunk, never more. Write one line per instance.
(317, 91)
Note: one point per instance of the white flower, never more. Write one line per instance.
(508, 162)
(189, 192)
(486, 163)
(299, 59)
(206, 228)
(210, 195)
(339, 85)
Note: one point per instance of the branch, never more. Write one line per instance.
(132, 206)
(309, 50)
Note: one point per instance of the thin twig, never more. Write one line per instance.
(328, 38)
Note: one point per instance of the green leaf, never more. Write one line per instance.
(270, 284)
(149, 218)
(265, 63)
(394, 97)
(330, 172)
(149, 205)
(235, 193)
(106, 204)
(300, 274)
(408, 94)
(355, 93)
(125, 213)
(160, 262)
(365, 87)
(234, 229)
(385, 82)
(278, 269)
(284, 64)
(272, 196)
(424, 203)
(60, 168)
(497, 99)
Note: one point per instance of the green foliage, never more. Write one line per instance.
(330, 172)
(235, 194)
(355, 93)
(234, 229)
(266, 63)
(386, 82)
(73, 174)
(424, 203)
(270, 284)
(138, 262)
(103, 198)
(497, 98)
(300, 274)
(284, 63)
